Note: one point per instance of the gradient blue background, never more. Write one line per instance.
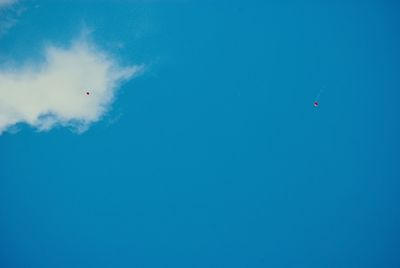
(215, 156)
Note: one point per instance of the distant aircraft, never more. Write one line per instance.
(316, 100)
(87, 93)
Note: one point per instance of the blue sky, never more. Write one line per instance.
(199, 145)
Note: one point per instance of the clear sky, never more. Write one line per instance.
(199, 145)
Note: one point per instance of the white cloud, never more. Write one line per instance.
(53, 92)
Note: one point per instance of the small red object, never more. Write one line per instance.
(316, 103)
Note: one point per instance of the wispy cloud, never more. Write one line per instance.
(4, 3)
(9, 12)
(53, 92)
